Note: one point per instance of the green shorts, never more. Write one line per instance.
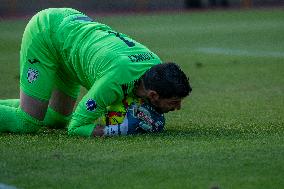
(41, 67)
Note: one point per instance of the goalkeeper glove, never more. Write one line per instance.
(144, 118)
(138, 119)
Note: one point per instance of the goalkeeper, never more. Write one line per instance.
(63, 49)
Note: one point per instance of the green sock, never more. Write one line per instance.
(52, 118)
(55, 120)
(10, 102)
(16, 120)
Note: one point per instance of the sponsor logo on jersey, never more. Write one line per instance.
(32, 75)
(91, 105)
(141, 57)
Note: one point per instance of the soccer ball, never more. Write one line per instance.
(116, 112)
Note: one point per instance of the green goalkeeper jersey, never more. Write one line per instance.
(105, 62)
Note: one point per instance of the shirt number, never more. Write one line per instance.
(128, 43)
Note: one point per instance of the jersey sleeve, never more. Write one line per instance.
(93, 105)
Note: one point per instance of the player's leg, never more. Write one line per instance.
(33, 106)
(62, 102)
(27, 118)
(17, 121)
(59, 111)
(37, 73)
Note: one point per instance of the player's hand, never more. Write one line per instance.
(150, 119)
(130, 124)
(143, 118)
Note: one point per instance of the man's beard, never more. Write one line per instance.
(154, 104)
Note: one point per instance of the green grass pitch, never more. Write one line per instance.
(229, 133)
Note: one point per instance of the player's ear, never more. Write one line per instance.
(153, 95)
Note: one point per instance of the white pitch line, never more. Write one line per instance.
(239, 52)
(4, 186)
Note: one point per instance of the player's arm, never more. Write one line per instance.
(139, 118)
(92, 106)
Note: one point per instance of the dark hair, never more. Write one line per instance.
(168, 80)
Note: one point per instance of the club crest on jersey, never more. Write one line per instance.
(91, 105)
(32, 75)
